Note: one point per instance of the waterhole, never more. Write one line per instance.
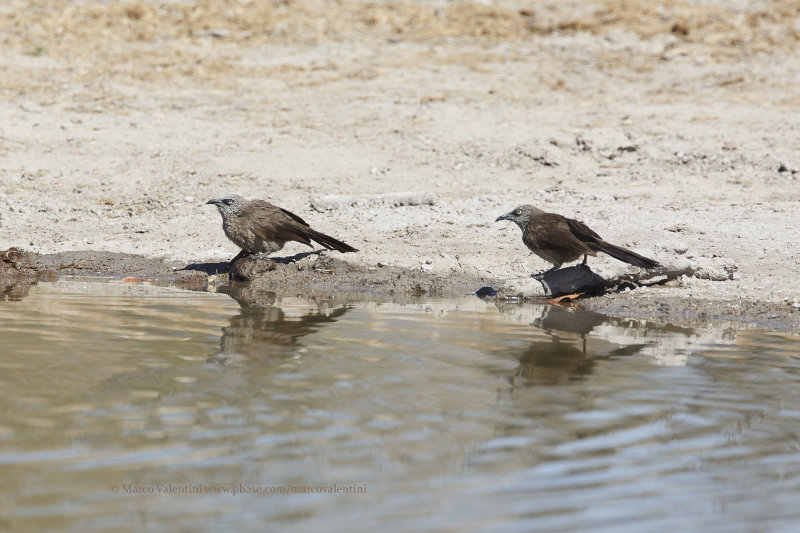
(151, 408)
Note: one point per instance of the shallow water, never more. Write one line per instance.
(138, 407)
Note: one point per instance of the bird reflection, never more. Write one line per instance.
(562, 355)
(14, 291)
(262, 327)
(551, 363)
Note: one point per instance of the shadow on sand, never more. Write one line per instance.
(241, 263)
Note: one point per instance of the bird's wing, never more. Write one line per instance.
(293, 216)
(272, 223)
(582, 231)
(551, 231)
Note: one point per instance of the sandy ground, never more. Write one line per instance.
(660, 127)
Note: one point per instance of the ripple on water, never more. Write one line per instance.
(455, 414)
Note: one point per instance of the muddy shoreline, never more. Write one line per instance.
(318, 272)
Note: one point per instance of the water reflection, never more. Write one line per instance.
(271, 326)
(521, 417)
(569, 343)
(14, 291)
(561, 354)
(665, 344)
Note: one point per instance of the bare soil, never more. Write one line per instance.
(669, 125)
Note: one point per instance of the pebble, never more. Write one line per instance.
(485, 291)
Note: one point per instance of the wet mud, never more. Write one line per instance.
(318, 273)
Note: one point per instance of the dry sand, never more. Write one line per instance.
(661, 127)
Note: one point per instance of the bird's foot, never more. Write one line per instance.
(240, 255)
(540, 275)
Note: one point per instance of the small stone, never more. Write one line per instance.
(485, 291)
(679, 247)
(219, 33)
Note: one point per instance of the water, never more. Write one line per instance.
(136, 407)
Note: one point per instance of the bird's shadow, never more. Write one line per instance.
(294, 258)
(225, 266)
(207, 268)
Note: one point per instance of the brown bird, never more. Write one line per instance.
(558, 239)
(258, 227)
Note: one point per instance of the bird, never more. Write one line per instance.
(259, 227)
(558, 239)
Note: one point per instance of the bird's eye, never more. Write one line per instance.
(518, 212)
(227, 201)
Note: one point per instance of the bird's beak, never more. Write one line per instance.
(215, 201)
(503, 217)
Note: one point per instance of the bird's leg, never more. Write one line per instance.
(242, 253)
(585, 257)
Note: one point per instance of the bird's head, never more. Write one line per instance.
(520, 215)
(230, 204)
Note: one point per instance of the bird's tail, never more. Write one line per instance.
(624, 255)
(329, 242)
